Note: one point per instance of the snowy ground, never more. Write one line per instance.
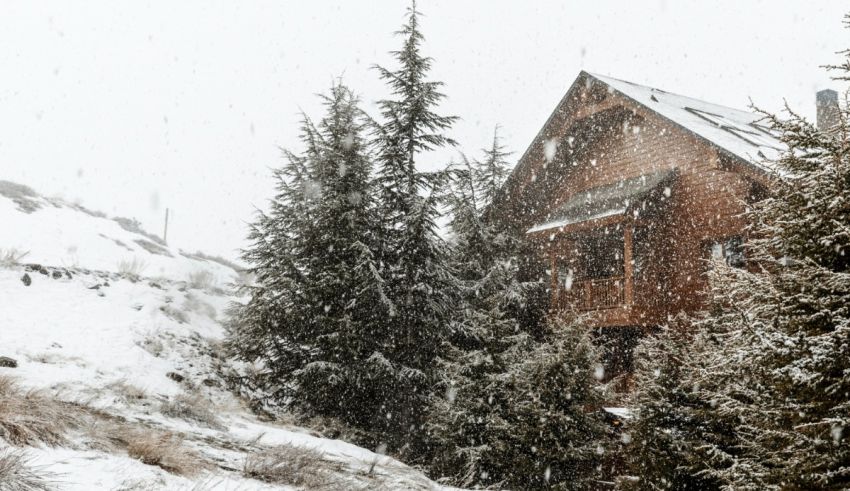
(132, 344)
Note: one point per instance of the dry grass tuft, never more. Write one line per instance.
(166, 451)
(30, 417)
(201, 280)
(132, 268)
(128, 392)
(192, 407)
(16, 473)
(294, 466)
(11, 257)
(198, 306)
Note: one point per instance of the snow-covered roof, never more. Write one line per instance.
(733, 130)
(603, 201)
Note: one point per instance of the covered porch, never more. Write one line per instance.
(590, 246)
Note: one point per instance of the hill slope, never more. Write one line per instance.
(130, 357)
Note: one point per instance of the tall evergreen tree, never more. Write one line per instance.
(675, 435)
(493, 170)
(776, 339)
(513, 408)
(307, 320)
(414, 258)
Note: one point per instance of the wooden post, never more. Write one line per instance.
(628, 258)
(165, 232)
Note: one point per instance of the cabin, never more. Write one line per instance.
(626, 192)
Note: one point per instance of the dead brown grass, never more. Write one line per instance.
(128, 392)
(294, 466)
(17, 474)
(29, 417)
(33, 418)
(192, 407)
(165, 450)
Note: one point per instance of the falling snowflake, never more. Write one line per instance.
(599, 372)
(549, 149)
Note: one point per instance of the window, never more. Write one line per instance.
(731, 250)
(566, 275)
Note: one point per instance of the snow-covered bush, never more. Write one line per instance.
(675, 431)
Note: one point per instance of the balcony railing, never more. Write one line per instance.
(594, 294)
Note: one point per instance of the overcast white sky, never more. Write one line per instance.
(130, 107)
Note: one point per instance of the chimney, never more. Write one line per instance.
(827, 105)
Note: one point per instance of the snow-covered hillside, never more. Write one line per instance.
(122, 333)
(57, 233)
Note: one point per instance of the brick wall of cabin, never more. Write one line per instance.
(705, 204)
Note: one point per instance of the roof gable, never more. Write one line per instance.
(734, 135)
(735, 131)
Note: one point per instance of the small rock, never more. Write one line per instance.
(96, 287)
(175, 377)
(210, 382)
(56, 275)
(43, 271)
(7, 362)
(27, 281)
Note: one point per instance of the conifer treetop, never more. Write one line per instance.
(411, 125)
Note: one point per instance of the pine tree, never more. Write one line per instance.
(306, 322)
(675, 432)
(413, 257)
(520, 417)
(797, 330)
(492, 171)
(772, 351)
(516, 386)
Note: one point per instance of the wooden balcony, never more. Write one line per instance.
(594, 294)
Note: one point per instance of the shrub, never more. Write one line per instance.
(132, 268)
(166, 451)
(127, 391)
(23, 196)
(201, 280)
(198, 306)
(153, 247)
(16, 473)
(29, 417)
(175, 314)
(11, 257)
(133, 225)
(290, 465)
(192, 408)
